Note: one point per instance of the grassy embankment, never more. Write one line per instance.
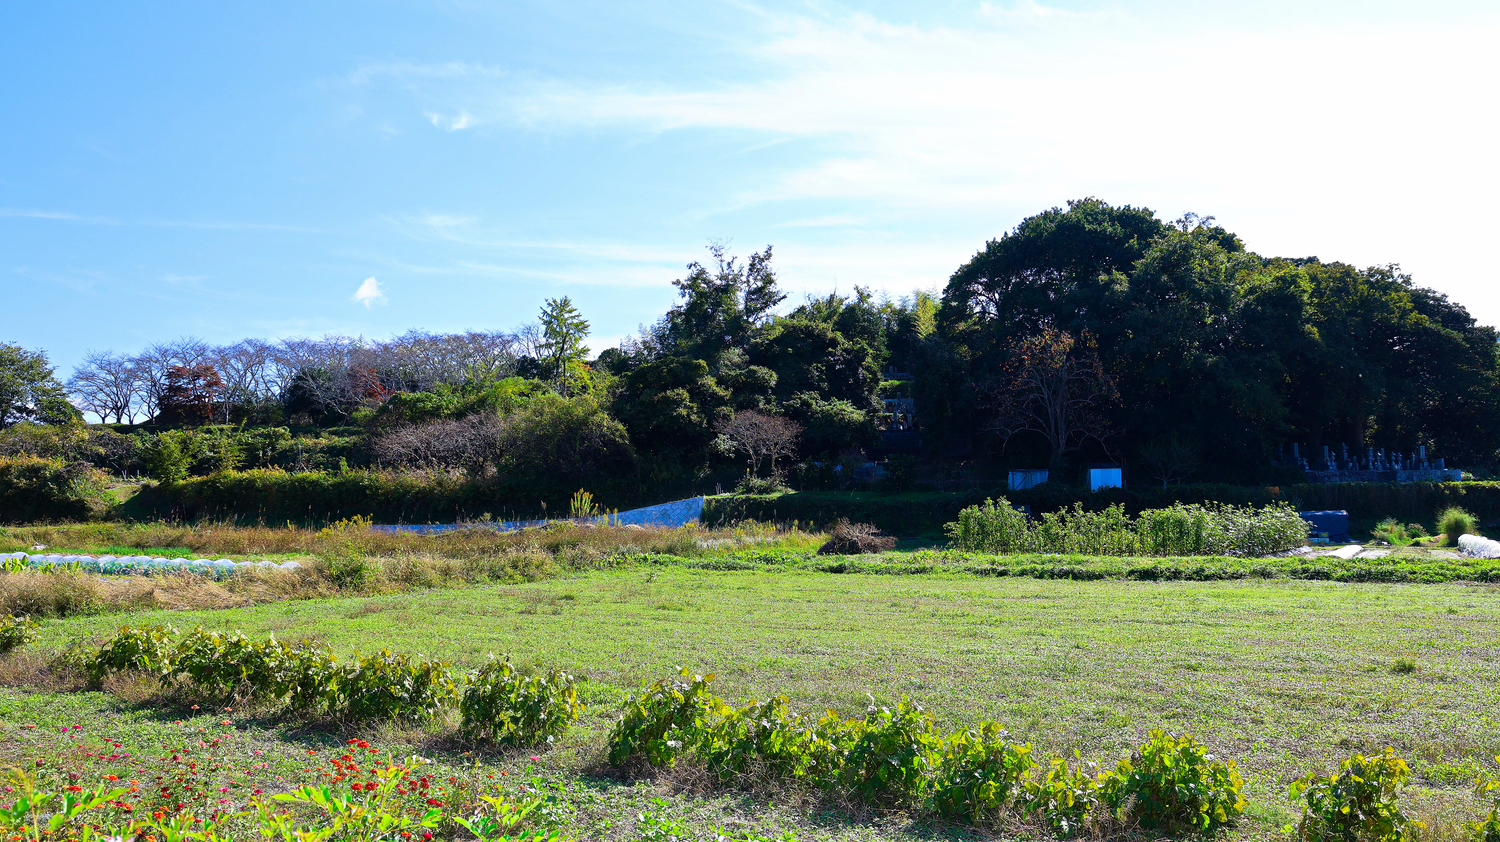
(1284, 676)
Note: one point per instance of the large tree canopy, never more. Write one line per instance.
(1216, 348)
(29, 391)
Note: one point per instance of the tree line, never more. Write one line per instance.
(1088, 332)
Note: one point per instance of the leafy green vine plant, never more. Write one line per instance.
(1357, 804)
(503, 705)
(665, 720)
(1064, 796)
(981, 773)
(894, 753)
(148, 649)
(1174, 782)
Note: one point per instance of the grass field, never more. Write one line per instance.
(1286, 677)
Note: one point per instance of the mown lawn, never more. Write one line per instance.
(1286, 677)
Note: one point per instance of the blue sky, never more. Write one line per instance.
(230, 170)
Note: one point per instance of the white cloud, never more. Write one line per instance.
(369, 293)
(450, 124)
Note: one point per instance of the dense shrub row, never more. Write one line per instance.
(498, 704)
(898, 757)
(926, 513)
(1181, 530)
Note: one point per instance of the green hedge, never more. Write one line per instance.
(36, 490)
(275, 496)
(1411, 501)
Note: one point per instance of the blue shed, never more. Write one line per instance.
(1327, 527)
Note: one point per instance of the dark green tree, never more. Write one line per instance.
(30, 391)
(810, 356)
(723, 307)
(672, 405)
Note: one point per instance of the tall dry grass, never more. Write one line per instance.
(561, 540)
(345, 560)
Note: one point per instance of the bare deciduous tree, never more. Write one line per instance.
(336, 373)
(155, 364)
(760, 437)
(1055, 386)
(108, 385)
(1170, 458)
(472, 444)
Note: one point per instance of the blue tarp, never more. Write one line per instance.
(1327, 526)
(676, 513)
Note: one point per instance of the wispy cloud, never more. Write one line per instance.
(937, 116)
(1027, 105)
(369, 293)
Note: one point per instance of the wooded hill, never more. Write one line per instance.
(1169, 341)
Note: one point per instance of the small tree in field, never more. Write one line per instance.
(1056, 386)
(760, 437)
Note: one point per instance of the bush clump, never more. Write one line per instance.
(506, 706)
(1454, 523)
(981, 773)
(16, 632)
(501, 705)
(896, 756)
(1357, 803)
(855, 539)
(663, 721)
(1173, 782)
(1397, 534)
(148, 649)
(38, 490)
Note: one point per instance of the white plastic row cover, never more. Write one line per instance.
(137, 562)
(1477, 547)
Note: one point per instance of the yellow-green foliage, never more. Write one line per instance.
(37, 490)
(16, 632)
